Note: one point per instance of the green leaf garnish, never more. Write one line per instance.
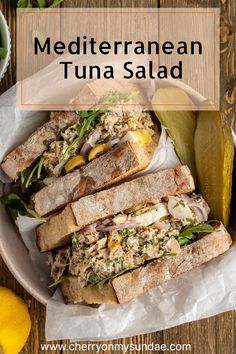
(190, 233)
(29, 180)
(18, 207)
(24, 4)
(40, 165)
(93, 278)
(58, 281)
(38, 3)
(32, 174)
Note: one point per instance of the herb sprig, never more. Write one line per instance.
(56, 282)
(18, 207)
(93, 278)
(190, 233)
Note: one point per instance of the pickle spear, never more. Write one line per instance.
(214, 154)
(180, 124)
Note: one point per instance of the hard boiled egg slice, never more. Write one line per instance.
(141, 136)
(179, 209)
(152, 216)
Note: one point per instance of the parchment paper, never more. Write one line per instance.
(203, 292)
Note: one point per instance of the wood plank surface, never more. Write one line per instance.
(215, 335)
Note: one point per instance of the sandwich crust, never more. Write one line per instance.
(56, 232)
(135, 283)
(25, 154)
(122, 161)
(73, 293)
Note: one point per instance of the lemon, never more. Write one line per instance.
(98, 150)
(15, 322)
(75, 161)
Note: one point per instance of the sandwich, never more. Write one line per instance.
(57, 230)
(121, 242)
(79, 153)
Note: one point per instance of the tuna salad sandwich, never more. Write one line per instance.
(77, 153)
(117, 244)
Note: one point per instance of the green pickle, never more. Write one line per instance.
(214, 155)
(180, 125)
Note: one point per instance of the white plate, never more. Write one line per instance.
(13, 250)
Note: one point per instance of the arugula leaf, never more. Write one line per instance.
(190, 233)
(40, 166)
(25, 176)
(24, 4)
(29, 180)
(3, 53)
(58, 281)
(18, 207)
(32, 174)
(38, 3)
(92, 279)
(89, 119)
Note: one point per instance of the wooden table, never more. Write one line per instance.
(215, 335)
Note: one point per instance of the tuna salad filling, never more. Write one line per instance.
(113, 246)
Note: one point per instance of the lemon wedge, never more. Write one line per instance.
(74, 162)
(98, 150)
(15, 323)
(141, 136)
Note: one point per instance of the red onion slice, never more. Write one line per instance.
(90, 143)
(113, 142)
(91, 227)
(85, 150)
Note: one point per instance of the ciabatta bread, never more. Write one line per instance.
(57, 230)
(134, 283)
(122, 161)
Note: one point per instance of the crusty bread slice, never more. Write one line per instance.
(122, 161)
(56, 231)
(24, 155)
(134, 283)
(130, 285)
(100, 294)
